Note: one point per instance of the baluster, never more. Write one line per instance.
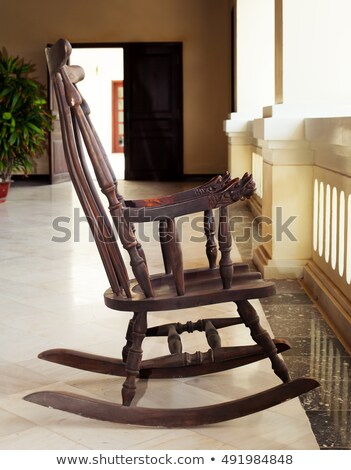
(138, 245)
(240, 354)
(175, 256)
(163, 241)
(131, 224)
(134, 357)
(190, 327)
(129, 243)
(174, 341)
(211, 247)
(225, 243)
(212, 335)
(129, 338)
(187, 359)
(262, 338)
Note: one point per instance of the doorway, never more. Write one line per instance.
(134, 91)
(103, 67)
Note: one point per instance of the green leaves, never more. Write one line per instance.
(24, 118)
(35, 128)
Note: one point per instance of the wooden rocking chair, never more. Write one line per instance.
(175, 289)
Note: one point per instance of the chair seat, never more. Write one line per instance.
(202, 287)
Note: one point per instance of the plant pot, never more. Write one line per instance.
(4, 190)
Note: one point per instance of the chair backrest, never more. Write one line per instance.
(78, 134)
(80, 138)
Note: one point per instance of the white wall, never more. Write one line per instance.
(101, 66)
(255, 55)
(316, 51)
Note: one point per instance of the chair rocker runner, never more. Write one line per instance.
(173, 290)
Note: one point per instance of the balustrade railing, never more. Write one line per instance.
(332, 227)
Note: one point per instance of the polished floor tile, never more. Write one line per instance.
(315, 351)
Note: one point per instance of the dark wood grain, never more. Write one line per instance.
(171, 418)
(162, 367)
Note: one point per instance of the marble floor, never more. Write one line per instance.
(315, 351)
(51, 286)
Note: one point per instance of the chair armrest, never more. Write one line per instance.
(233, 191)
(213, 185)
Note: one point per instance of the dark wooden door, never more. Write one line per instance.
(153, 111)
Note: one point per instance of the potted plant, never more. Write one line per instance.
(24, 119)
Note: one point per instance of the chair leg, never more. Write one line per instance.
(262, 338)
(129, 338)
(135, 354)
